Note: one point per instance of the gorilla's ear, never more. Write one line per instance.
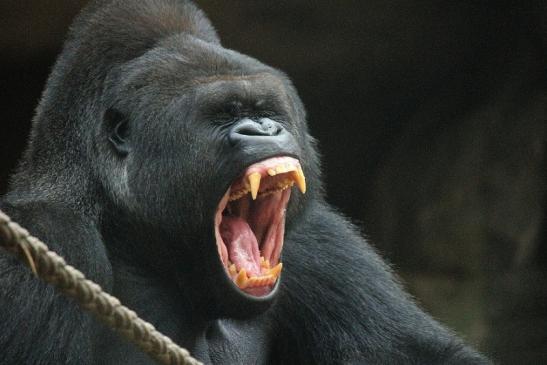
(117, 129)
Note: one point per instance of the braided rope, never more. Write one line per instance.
(51, 268)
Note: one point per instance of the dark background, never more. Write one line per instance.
(431, 117)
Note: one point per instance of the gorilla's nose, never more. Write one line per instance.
(263, 127)
(261, 134)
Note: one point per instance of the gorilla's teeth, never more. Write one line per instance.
(254, 181)
(282, 185)
(241, 279)
(260, 281)
(264, 263)
(276, 270)
(268, 277)
(238, 194)
(300, 179)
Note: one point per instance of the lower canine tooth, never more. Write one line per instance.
(241, 279)
(276, 270)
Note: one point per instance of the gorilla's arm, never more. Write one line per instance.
(341, 303)
(39, 325)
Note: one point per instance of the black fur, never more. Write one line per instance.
(126, 164)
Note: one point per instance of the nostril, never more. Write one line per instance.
(269, 126)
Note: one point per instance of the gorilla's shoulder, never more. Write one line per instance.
(65, 230)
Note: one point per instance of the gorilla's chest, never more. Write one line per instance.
(219, 341)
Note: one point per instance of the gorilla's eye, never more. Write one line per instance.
(234, 108)
(250, 223)
(117, 128)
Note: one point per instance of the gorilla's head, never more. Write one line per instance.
(184, 152)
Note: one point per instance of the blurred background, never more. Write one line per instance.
(432, 122)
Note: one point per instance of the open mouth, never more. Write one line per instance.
(250, 223)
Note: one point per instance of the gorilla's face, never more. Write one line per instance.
(208, 151)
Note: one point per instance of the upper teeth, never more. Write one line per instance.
(254, 178)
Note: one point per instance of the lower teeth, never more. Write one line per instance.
(268, 277)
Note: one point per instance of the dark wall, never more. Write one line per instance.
(431, 117)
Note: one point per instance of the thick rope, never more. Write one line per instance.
(51, 268)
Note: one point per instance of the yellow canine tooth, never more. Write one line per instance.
(300, 179)
(275, 271)
(254, 181)
(241, 279)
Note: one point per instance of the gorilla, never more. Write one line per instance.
(180, 176)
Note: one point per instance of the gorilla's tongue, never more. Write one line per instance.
(242, 244)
